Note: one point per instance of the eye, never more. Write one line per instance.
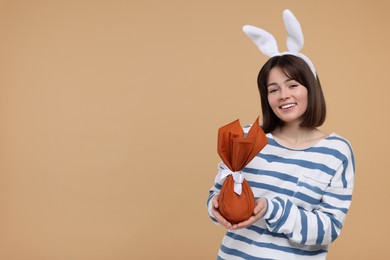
(294, 85)
(272, 90)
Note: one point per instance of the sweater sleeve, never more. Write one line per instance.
(215, 190)
(323, 224)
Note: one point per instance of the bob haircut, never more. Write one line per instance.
(297, 69)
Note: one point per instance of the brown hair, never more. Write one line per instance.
(296, 69)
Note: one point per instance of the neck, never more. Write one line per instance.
(293, 132)
(296, 136)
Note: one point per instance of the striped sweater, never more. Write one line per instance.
(308, 192)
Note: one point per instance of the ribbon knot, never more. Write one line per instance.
(237, 177)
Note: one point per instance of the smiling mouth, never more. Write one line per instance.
(288, 106)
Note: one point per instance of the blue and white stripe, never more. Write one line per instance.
(308, 192)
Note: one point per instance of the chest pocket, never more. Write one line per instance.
(309, 191)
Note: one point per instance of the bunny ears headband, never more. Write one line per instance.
(267, 43)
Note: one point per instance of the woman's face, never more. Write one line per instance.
(287, 97)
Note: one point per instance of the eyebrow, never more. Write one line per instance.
(275, 84)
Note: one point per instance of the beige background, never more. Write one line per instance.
(109, 112)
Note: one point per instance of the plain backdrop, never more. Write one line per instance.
(109, 112)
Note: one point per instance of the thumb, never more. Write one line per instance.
(258, 208)
(215, 201)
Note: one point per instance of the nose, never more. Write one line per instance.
(284, 94)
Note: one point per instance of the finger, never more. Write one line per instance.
(221, 219)
(234, 226)
(247, 222)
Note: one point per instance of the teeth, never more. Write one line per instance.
(288, 106)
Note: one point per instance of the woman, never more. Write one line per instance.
(302, 180)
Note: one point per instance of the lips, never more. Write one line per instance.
(288, 106)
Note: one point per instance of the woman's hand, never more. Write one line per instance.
(221, 220)
(258, 213)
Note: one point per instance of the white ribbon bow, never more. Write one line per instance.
(237, 177)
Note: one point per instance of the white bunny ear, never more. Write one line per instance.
(294, 32)
(267, 43)
(263, 40)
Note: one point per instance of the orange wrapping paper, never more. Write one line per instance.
(236, 151)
